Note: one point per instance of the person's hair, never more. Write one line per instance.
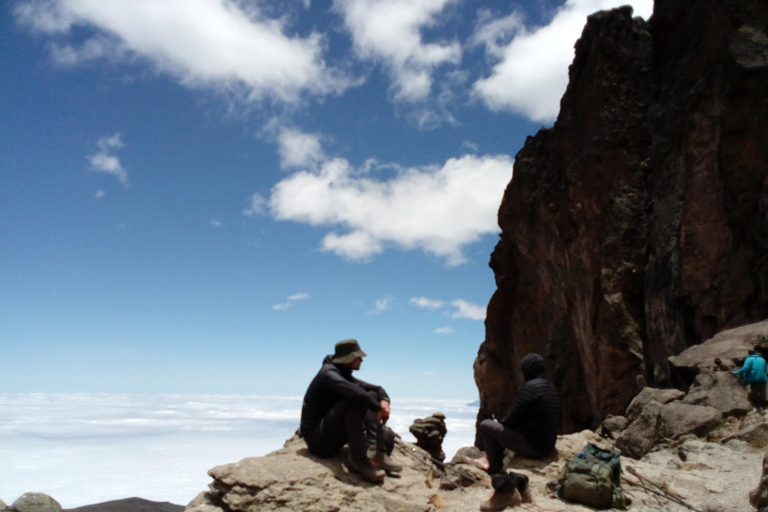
(751, 352)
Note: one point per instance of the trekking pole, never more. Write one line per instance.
(442, 468)
(661, 491)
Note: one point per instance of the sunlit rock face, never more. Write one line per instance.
(637, 225)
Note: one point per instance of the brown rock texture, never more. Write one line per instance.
(636, 226)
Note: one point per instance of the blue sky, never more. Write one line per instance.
(203, 196)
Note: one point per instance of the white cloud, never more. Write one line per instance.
(257, 205)
(470, 146)
(215, 223)
(104, 161)
(382, 305)
(425, 303)
(203, 43)
(466, 309)
(436, 209)
(284, 306)
(495, 33)
(299, 149)
(532, 72)
(389, 31)
(125, 428)
(100, 194)
(444, 330)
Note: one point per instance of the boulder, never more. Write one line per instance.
(648, 395)
(3, 506)
(292, 479)
(730, 346)
(429, 433)
(678, 419)
(640, 436)
(755, 435)
(759, 497)
(471, 452)
(720, 390)
(613, 426)
(35, 502)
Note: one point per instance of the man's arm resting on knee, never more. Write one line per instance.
(383, 415)
(353, 390)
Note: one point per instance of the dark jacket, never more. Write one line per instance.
(536, 410)
(333, 383)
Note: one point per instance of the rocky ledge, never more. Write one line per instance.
(710, 476)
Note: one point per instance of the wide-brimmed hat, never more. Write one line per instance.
(347, 351)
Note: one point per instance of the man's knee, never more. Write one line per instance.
(487, 425)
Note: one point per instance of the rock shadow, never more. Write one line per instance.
(334, 464)
(514, 461)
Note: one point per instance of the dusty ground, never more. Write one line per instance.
(712, 478)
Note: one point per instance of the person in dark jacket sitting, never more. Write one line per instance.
(531, 425)
(340, 409)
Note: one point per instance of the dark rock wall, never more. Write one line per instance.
(637, 225)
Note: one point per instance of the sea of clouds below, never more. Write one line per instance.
(89, 448)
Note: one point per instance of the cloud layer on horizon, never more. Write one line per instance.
(78, 447)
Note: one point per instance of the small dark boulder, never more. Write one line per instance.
(429, 433)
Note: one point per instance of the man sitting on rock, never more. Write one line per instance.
(754, 373)
(531, 425)
(340, 409)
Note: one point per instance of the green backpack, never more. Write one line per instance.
(593, 477)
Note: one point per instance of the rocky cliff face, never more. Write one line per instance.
(637, 226)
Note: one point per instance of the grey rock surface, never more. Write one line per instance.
(755, 435)
(730, 346)
(289, 480)
(678, 419)
(647, 395)
(640, 436)
(35, 502)
(720, 390)
(292, 479)
(758, 498)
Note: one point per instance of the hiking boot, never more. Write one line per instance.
(365, 469)
(526, 495)
(385, 462)
(501, 500)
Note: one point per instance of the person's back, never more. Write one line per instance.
(754, 374)
(754, 369)
(542, 422)
(530, 427)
